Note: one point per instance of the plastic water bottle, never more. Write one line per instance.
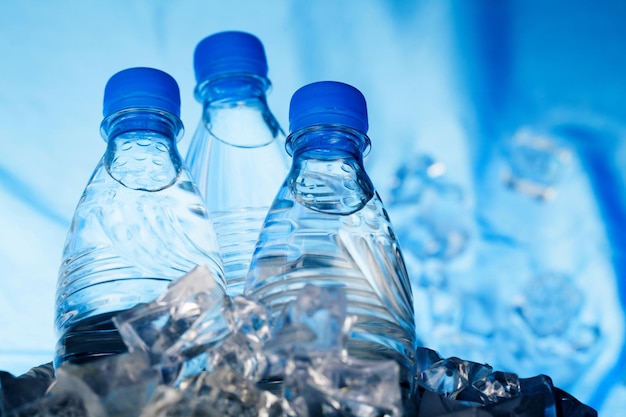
(236, 155)
(140, 222)
(328, 226)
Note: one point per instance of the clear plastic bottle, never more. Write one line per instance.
(140, 223)
(328, 226)
(236, 155)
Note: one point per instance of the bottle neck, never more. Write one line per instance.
(327, 173)
(230, 89)
(328, 142)
(235, 111)
(141, 149)
(141, 121)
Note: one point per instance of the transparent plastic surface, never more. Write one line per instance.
(139, 224)
(237, 158)
(328, 226)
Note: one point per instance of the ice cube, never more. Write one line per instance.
(490, 389)
(69, 395)
(123, 383)
(242, 349)
(314, 322)
(178, 325)
(450, 376)
(225, 392)
(333, 385)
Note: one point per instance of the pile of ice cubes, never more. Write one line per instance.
(196, 352)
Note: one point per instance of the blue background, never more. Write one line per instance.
(450, 79)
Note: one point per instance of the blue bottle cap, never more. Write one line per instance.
(328, 103)
(229, 52)
(141, 87)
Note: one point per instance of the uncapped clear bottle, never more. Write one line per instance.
(328, 226)
(236, 155)
(140, 223)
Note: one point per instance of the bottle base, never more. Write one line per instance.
(88, 340)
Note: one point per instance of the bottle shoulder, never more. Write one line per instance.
(241, 124)
(371, 219)
(234, 177)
